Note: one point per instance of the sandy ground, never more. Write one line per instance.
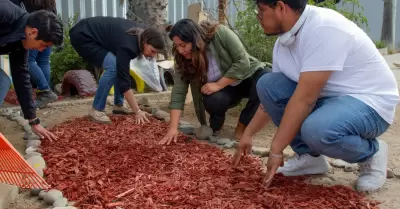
(388, 194)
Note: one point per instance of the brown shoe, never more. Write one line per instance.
(122, 110)
(99, 116)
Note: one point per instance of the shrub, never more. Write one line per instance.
(66, 58)
(380, 44)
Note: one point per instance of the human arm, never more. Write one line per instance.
(123, 58)
(172, 134)
(240, 61)
(176, 105)
(260, 119)
(23, 89)
(210, 88)
(321, 56)
(22, 83)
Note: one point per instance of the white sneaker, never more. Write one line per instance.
(304, 165)
(373, 172)
(99, 116)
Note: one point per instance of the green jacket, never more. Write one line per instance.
(233, 61)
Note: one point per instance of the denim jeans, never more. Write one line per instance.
(39, 68)
(5, 83)
(107, 80)
(340, 127)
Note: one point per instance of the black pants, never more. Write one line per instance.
(219, 102)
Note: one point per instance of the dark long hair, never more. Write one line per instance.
(40, 4)
(151, 36)
(200, 36)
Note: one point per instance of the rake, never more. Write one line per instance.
(14, 170)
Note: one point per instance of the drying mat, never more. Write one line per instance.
(94, 163)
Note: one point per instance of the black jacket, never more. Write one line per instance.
(13, 20)
(94, 37)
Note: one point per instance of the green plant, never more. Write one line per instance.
(66, 58)
(252, 35)
(261, 46)
(380, 44)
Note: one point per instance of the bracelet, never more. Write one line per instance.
(275, 155)
(138, 111)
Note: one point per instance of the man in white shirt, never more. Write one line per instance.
(331, 93)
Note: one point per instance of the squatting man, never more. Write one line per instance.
(331, 93)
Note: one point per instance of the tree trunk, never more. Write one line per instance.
(222, 4)
(387, 26)
(151, 12)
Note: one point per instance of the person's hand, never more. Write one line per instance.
(172, 135)
(244, 148)
(210, 88)
(273, 163)
(40, 131)
(140, 117)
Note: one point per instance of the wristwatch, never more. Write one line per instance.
(34, 122)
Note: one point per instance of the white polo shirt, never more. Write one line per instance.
(330, 42)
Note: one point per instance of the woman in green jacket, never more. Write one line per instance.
(213, 61)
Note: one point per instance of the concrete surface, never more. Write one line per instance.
(8, 194)
(392, 58)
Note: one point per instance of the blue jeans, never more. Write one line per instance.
(39, 68)
(107, 80)
(5, 83)
(340, 127)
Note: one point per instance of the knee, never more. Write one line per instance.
(31, 59)
(216, 100)
(319, 134)
(269, 83)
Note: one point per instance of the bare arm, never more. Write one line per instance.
(299, 107)
(260, 119)
(174, 119)
(130, 98)
(224, 81)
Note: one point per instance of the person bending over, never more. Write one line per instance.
(331, 93)
(111, 43)
(213, 61)
(19, 32)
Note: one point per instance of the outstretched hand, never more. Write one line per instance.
(244, 148)
(172, 135)
(273, 163)
(141, 117)
(40, 131)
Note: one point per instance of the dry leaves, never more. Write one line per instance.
(93, 163)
